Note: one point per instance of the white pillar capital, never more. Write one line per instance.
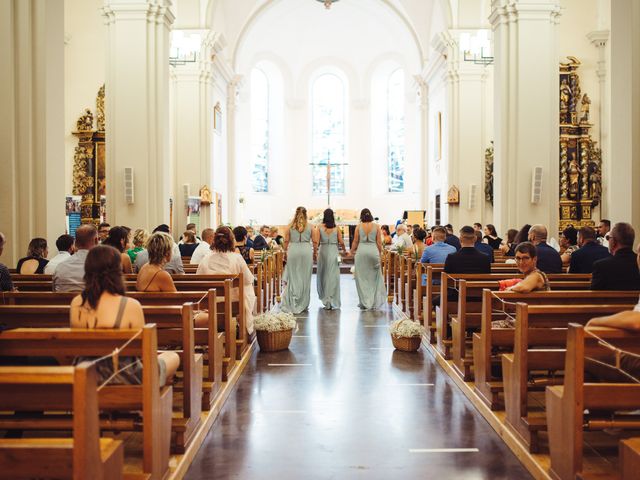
(510, 11)
(599, 38)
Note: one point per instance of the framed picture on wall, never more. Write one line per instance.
(217, 118)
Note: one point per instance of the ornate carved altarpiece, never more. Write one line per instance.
(580, 159)
(89, 161)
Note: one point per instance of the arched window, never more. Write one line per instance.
(328, 133)
(260, 132)
(395, 131)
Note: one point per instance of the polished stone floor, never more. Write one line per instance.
(342, 404)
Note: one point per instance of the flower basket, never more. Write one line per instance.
(274, 341)
(274, 331)
(406, 335)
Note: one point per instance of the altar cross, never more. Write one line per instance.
(328, 165)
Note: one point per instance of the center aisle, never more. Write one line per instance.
(342, 404)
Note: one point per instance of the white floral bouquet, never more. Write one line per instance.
(275, 322)
(406, 328)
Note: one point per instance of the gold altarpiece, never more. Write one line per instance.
(580, 159)
(89, 161)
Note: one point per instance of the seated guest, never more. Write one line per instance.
(140, 237)
(451, 238)
(6, 285)
(508, 247)
(467, 260)
(240, 234)
(483, 247)
(69, 275)
(590, 251)
(438, 252)
(477, 227)
(152, 277)
(619, 272)
(250, 236)
(224, 260)
(204, 247)
(103, 231)
(534, 280)
(175, 264)
(66, 247)
(189, 244)
(568, 243)
(276, 238)
(419, 236)
(402, 237)
(549, 260)
(491, 237)
(191, 227)
(36, 258)
(523, 235)
(103, 305)
(603, 232)
(261, 240)
(118, 238)
(386, 236)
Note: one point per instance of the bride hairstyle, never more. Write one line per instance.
(299, 221)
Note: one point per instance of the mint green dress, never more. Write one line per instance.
(369, 281)
(329, 270)
(297, 273)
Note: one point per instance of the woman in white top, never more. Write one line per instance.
(224, 259)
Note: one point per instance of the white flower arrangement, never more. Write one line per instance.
(275, 322)
(406, 328)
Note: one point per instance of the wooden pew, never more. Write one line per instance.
(467, 318)
(86, 455)
(540, 337)
(447, 309)
(565, 404)
(174, 328)
(149, 398)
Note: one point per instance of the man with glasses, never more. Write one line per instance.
(103, 231)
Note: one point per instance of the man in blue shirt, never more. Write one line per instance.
(438, 252)
(483, 247)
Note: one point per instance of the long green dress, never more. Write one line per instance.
(328, 270)
(297, 273)
(369, 281)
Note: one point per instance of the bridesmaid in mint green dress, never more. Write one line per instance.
(327, 236)
(297, 273)
(367, 247)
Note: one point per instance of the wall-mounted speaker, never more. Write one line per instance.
(128, 185)
(473, 193)
(536, 185)
(185, 193)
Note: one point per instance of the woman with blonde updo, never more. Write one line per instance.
(140, 237)
(297, 273)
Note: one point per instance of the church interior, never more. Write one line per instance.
(188, 134)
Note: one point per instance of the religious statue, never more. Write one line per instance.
(85, 122)
(488, 174)
(584, 110)
(574, 174)
(565, 96)
(205, 196)
(564, 178)
(453, 195)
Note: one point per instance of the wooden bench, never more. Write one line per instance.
(86, 455)
(540, 337)
(154, 402)
(566, 403)
(174, 328)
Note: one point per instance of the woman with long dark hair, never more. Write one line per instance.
(297, 274)
(367, 248)
(326, 239)
(103, 305)
(491, 236)
(118, 238)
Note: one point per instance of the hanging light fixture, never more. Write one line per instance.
(327, 3)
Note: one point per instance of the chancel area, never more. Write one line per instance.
(319, 239)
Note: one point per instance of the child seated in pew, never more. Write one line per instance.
(103, 305)
(534, 280)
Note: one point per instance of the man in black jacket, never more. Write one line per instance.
(451, 239)
(619, 272)
(590, 251)
(260, 242)
(549, 260)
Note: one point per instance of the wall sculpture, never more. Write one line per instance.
(580, 159)
(488, 174)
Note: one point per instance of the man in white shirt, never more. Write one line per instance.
(204, 247)
(66, 247)
(69, 275)
(402, 237)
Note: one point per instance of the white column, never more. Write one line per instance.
(467, 139)
(137, 109)
(423, 129)
(622, 172)
(232, 193)
(32, 127)
(526, 112)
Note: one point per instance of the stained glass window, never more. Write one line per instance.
(328, 133)
(396, 131)
(260, 132)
